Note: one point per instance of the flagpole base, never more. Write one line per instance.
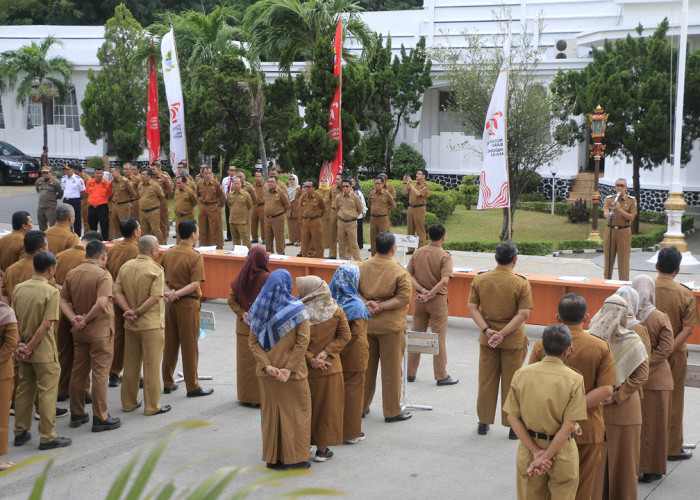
(594, 236)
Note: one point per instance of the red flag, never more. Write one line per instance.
(335, 128)
(153, 124)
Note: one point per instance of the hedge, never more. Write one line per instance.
(578, 244)
(440, 202)
(524, 247)
(430, 219)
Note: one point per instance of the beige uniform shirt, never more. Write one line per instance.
(165, 183)
(429, 264)
(259, 197)
(382, 278)
(348, 207)
(123, 190)
(311, 205)
(183, 265)
(68, 260)
(209, 193)
(422, 196)
(678, 302)
(34, 302)
(11, 249)
(185, 201)
(18, 272)
(276, 202)
(119, 254)
(626, 202)
(82, 287)
(139, 279)
(381, 203)
(150, 195)
(60, 237)
(239, 205)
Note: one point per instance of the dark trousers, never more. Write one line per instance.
(360, 235)
(228, 228)
(78, 224)
(99, 214)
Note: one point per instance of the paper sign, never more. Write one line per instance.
(207, 321)
(406, 240)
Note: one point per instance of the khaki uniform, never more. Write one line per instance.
(257, 214)
(120, 205)
(554, 395)
(239, 205)
(34, 302)
(679, 303)
(429, 265)
(117, 256)
(185, 202)
(150, 194)
(380, 207)
(61, 237)
(211, 199)
(416, 211)
(84, 205)
(50, 192)
(311, 209)
(354, 357)
(18, 272)
(293, 220)
(166, 184)
(382, 278)
(135, 180)
(139, 279)
(247, 389)
(330, 220)
(11, 249)
(276, 204)
(592, 358)
(347, 208)
(93, 345)
(501, 294)
(182, 265)
(9, 334)
(618, 236)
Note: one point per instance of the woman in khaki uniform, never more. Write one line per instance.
(279, 337)
(244, 290)
(293, 221)
(355, 354)
(8, 343)
(329, 334)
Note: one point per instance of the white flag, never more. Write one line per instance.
(173, 90)
(493, 189)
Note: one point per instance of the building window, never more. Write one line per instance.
(34, 115)
(453, 121)
(2, 116)
(59, 114)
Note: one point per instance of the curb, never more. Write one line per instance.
(559, 253)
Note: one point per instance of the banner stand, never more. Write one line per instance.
(420, 343)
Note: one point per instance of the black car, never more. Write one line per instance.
(15, 165)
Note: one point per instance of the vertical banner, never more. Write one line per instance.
(493, 189)
(335, 128)
(176, 105)
(153, 124)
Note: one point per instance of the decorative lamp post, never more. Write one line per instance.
(553, 170)
(598, 123)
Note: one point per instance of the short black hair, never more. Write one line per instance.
(183, 178)
(506, 252)
(269, 178)
(186, 228)
(344, 180)
(314, 183)
(147, 171)
(572, 308)
(33, 241)
(425, 172)
(92, 236)
(95, 249)
(669, 260)
(436, 232)
(43, 261)
(128, 225)
(100, 168)
(384, 242)
(379, 178)
(555, 339)
(19, 219)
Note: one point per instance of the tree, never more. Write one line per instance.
(114, 106)
(280, 119)
(472, 72)
(631, 80)
(43, 79)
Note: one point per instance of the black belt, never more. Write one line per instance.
(207, 204)
(273, 216)
(70, 199)
(313, 218)
(416, 206)
(122, 202)
(346, 220)
(184, 215)
(539, 435)
(259, 204)
(135, 200)
(146, 210)
(378, 215)
(619, 227)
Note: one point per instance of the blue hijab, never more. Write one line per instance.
(275, 312)
(344, 290)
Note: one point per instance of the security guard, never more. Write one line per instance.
(50, 191)
(60, 236)
(150, 194)
(166, 184)
(619, 211)
(73, 187)
(311, 209)
(276, 204)
(240, 204)
(347, 206)
(211, 199)
(257, 214)
(185, 201)
(417, 200)
(120, 204)
(381, 203)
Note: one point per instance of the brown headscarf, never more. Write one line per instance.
(252, 277)
(316, 296)
(7, 315)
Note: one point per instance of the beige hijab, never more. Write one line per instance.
(7, 314)
(316, 296)
(627, 348)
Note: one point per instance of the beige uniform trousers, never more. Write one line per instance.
(558, 483)
(150, 224)
(496, 365)
(433, 313)
(347, 240)
(142, 348)
(239, 234)
(257, 218)
(210, 226)
(274, 232)
(93, 353)
(378, 224)
(117, 211)
(387, 349)
(37, 379)
(416, 224)
(181, 333)
(617, 243)
(679, 366)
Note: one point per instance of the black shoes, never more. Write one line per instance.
(250, 405)
(410, 252)
(512, 435)
(399, 418)
(322, 456)
(685, 455)
(448, 381)
(482, 429)
(300, 465)
(59, 442)
(650, 478)
(61, 412)
(168, 390)
(114, 380)
(61, 399)
(88, 400)
(164, 409)
(411, 378)
(20, 439)
(199, 392)
(277, 466)
(109, 424)
(365, 413)
(78, 420)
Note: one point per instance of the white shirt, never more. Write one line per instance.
(72, 186)
(226, 184)
(364, 205)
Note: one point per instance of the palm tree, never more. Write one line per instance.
(38, 75)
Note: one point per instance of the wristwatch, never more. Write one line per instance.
(484, 330)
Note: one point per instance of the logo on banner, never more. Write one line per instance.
(174, 112)
(169, 60)
(492, 123)
(326, 171)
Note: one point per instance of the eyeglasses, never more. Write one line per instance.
(620, 185)
(346, 186)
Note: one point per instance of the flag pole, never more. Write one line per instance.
(510, 198)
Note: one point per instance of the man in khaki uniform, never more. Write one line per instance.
(499, 302)
(166, 185)
(311, 209)
(227, 187)
(139, 293)
(679, 303)
(22, 270)
(332, 243)
(211, 199)
(248, 188)
(347, 206)
(60, 236)
(240, 204)
(12, 245)
(385, 288)
(117, 256)
(388, 187)
(185, 202)
(592, 358)
(50, 191)
(276, 204)
(618, 236)
(86, 301)
(120, 204)
(544, 402)
(184, 274)
(417, 200)
(257, 214)
(150, 194)
(430, 268)
(35, 302)
(132, 173)
(381, 203)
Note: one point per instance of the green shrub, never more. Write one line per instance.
(395, 215)
(442, 204)
(578, 244)
(95, 162)
(532, 197)
(524, 247)
(648, 239)
(687, 223)
(249, 176)
(534, 247)
(469, 191)
(652, 217)
(406, 160)
(533, 180)
(430, 219)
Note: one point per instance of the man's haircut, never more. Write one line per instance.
(385, 242)
(379, 178)
(186, 228)
(314, 183)
(19, 219)
(555, 339)
(383, 176)
(345, 181)
(64, 212)
(156, 164)
(271, 177)
(92, 236)
(128, 225)
(100, 168)
(147, 243)
(43, 261)
(33, 241)
(425, 172)
(147, 171)
(204, 166)
(669, 260)
(95, 249)
(506, 252)
(572, 308)
(621, 179)
(436, 232)
(183, 178)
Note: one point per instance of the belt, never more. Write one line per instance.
(619, 227)
(122, 202)
(70, 199)
(206, 204)
(259, 204)
(135, 200)
(190, 297)
(416, 206)
(346, 220)
(146, 210)
(539, 435)
(273, 216)
(185, 215)
(313, 218)
(384, 215)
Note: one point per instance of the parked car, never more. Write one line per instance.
(15, 165)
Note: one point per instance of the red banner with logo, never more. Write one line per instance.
(335, 128)
(153, 124)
